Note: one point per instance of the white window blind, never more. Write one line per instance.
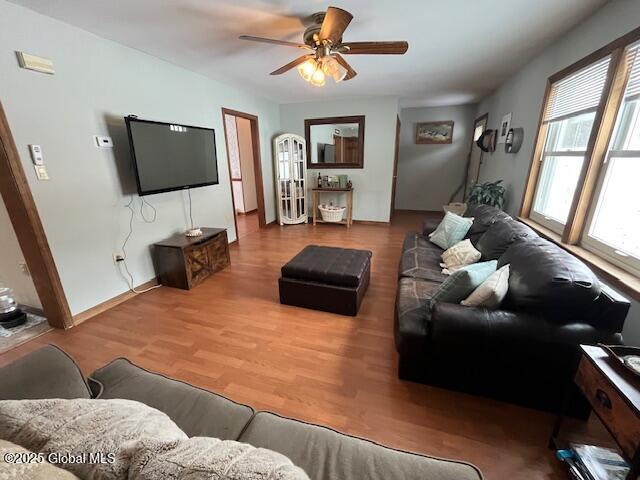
(578, 93)
(633, 63)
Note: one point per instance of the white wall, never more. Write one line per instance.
(96, 83)
(523, 95)
(11, 258)
(429, 174)
(372, 184)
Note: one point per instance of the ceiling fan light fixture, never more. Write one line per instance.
(322, 41)
(332, 68)
(307, 69)
(318, 78)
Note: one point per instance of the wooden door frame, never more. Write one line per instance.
(257, 164)
(394, 172)
(23, 213)
(482, 117)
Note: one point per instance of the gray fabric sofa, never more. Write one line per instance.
(323, 453)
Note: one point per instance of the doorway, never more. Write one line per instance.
(475, 155)
(241, 132)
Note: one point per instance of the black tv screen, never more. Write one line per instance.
(170, 156)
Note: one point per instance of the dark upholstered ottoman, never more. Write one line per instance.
(326, 278)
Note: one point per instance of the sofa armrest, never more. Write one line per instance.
(429, 225)
(45, 373)
(612, 309)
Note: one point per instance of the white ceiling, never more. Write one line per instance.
(459, 50)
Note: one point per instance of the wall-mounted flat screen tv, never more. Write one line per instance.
(169, 156)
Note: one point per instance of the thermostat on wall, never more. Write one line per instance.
(103, 142)
(36, 154)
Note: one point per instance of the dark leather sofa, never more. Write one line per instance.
(525, 352)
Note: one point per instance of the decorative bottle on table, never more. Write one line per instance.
(319, 180)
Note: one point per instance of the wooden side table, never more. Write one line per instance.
(614, 396)
(184, 262)
(348, 221)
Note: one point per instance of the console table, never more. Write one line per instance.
(184, 262)
(347, 219)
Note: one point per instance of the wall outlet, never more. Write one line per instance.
(118, 257)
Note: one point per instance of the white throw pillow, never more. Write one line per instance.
(461, 254)
(491, 292)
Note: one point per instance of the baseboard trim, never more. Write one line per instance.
(371, 222)
(112, 302)
(428, 212)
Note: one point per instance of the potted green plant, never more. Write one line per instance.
(489, 193)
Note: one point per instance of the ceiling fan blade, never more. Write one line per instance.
(336, 21)
(291, 65)
(374, 48)
(350, 71)
(274, 42)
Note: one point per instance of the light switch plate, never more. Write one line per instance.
(41, 172)
(103, 142)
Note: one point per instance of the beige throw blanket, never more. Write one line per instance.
(127, 440)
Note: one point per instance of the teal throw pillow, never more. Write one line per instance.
(451, 230)
(461, 283)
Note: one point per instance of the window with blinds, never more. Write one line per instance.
(578, 93)
(633, 64)
(613, 227)
(568, 120)
(585, 168)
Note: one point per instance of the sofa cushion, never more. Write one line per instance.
(333, 266)
(412, 300)
(46, 373)
(420, 259)
(500, 235)
(451, 230)
(327, 455)
(545, 278)
(461, 283)
(483, 217)
(196, 411)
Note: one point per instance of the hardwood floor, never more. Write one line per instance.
(231, 335)
(247, 223)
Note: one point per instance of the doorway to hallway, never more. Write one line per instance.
(245, 172)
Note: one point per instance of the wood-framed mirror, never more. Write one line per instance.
(335, 142)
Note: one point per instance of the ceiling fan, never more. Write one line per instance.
(323, 40)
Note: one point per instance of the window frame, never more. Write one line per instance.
(575, 230)
(591, 243)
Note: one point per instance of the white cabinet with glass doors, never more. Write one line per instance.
(290, 152)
